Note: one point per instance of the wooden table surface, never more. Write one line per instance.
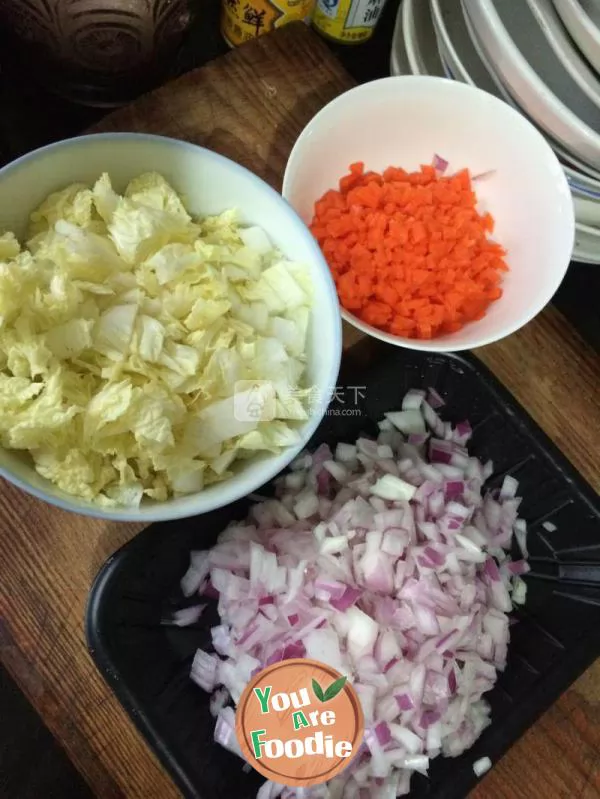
(251, 105)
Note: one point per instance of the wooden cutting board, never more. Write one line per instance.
(250, 105)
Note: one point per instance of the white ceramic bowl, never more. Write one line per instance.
(530, 70)
(404, 121)
(582, 20)
(210, 183)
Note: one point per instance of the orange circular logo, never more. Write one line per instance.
(299, 722)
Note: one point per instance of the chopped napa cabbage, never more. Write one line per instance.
(114, 329)
(70, 338)
(171, 262)
(9, 246)
(152, 190)
(150, 339)
(106, 199)
(74, 204)
(144, 353)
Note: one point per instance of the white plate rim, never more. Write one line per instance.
(578, 22)
(527, 86)
(414, 50)
(564, 49)
(448, 53)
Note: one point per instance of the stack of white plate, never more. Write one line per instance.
(541, 56)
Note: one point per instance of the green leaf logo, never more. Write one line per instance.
(335, 688)
(331, 692)
(318, 691)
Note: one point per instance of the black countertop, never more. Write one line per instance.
(30, 118)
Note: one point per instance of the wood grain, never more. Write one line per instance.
(251, 105)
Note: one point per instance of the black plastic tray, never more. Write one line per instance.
(557, 635)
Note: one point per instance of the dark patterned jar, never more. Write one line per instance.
(96, 52)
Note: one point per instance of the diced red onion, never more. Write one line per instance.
(520, 531)
(518, 567)
(196, 574)
(270, 790)
(222, 641)
(481, 766)
(382, 731)
(345, 453)
(519, 591)
(389, 562)
(348, 598)
(225, 731)
(413, 399)
(185, 616)
(462, 433)
(439, 164)
(210, 591)
(483, 175)
(509, 487)
(218, 701)
(434, 399)
(204, 670)
(405, 702)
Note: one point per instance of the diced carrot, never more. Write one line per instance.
(409, 251)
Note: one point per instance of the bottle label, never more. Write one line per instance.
(242, 20)
(347, 20)
(364, 13)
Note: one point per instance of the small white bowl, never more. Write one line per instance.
(210, 184)
(582, 20)
(405, 120)
(535, 78)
